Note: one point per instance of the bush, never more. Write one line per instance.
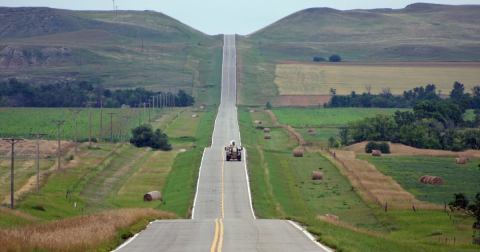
(319, 59)
(335, 58)
(384, 147)
(268, 105)
(144, 136)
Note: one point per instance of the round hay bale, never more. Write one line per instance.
(298, 152)
(153, 195)
(461, 160)
(317, 175)
(258, 122)
(202, 107)
(252, 111)
(194, 116)
(376, 153)
(266, 130)
(311, 132)
(267, 136)
(431, 180)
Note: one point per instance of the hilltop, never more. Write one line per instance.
(417, 32)
(119, 49)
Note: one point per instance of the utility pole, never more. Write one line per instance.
(59, 124)
(149, 108)
(100, 134)
(75, 117)
(111, 125)
(126, 118)
(37, 158)
(89, 105)
(12, 141)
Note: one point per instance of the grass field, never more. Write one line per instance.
(281, 188)
(313, 79)
(21, 122)
(408, 170)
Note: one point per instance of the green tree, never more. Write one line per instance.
(460, 201)
(335, 58)
(268, 105)
(144, 136)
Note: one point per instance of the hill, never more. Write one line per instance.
(417, 33)
(119, 49)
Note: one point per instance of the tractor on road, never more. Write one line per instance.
(233, 152)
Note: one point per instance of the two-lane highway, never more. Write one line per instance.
(222, 217)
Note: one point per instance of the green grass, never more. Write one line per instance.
(407, 170)
(21, 122)
(281, 188)
(181, 182)
(322, 117)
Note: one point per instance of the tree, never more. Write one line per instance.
(268, 105)
(333, 142)
(460, 201)
(183, 99)
(319, 59)
(335, 58)
(144, 136)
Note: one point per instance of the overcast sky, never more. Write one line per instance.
(223, 16)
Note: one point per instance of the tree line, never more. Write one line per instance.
(433, 124)
(408, 99)
(14, 93)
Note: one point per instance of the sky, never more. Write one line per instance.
(224, 16)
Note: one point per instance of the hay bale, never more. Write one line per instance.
(267, 136)
(202, 107)
(266, 130)
(376, 153)
(153, 195)
(258, 122)
(298, 152)
(252, 111)
(461, 160)
(194, 116)
(311, 132)
(317, 175)
(431, 180)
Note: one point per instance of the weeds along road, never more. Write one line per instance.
(223, 217)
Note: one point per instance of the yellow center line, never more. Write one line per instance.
(213, 248)
(220, 241)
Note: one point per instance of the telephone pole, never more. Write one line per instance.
(37, 157)
(111, 125)
(59, 124)
(75, 117)
(89, 105)
(100, 134)
(12, 141)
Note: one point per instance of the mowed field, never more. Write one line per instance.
(318, 79)
(331, 208)
(407, 170)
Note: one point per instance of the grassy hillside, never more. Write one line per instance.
(127, 49)
(419, 32)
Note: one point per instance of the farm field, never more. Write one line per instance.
(21, 122)
(319, 79)
(407, 170)
(281, 187)
(116, 176)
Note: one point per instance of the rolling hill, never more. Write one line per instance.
(419, 32)
(121, 50)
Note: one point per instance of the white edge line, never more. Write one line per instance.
(248, 185)
(310, 236)
(198, 184)
(132, 238)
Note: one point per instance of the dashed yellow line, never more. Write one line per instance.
(217, 243)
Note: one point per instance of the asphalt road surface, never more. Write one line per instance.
(222, 217)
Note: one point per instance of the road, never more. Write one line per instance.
(222, 217)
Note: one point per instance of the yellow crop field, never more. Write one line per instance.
(318, 79)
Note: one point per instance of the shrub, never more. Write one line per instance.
(384, 147)
(268, 105)
(144, 136)
(335, 58)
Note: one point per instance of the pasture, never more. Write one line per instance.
(21, 122)
(407, 170)
(319, 79)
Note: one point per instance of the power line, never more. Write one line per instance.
(12, 141)
(37, 156)
(59, 124)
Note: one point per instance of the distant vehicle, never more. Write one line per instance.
(233, 152)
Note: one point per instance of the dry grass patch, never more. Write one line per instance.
(318, 79)
(374, 186)
(404, 150)
(83, 233)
